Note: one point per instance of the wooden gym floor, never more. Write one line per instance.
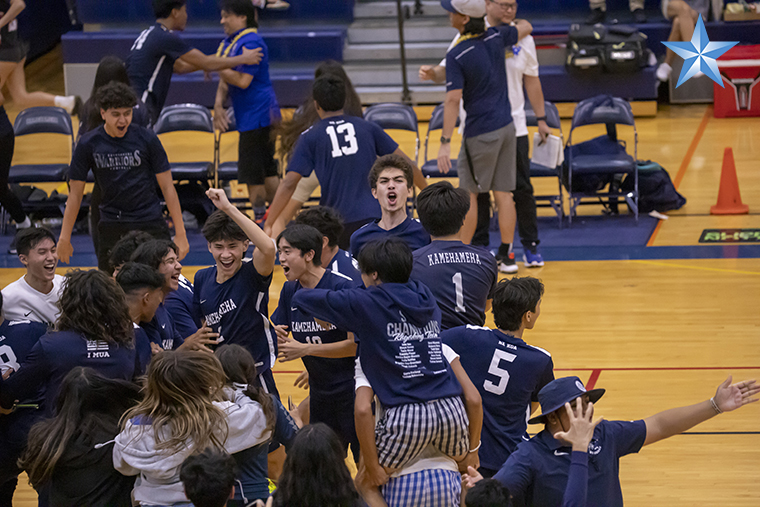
(656, 333)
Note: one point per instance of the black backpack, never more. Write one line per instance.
(656, 190)
(597, 48)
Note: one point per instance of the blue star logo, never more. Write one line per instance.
(699, 54)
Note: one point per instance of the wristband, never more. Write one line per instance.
(715, 406)
(478, 447)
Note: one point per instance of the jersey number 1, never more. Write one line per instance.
(349, 137)
(494, 369)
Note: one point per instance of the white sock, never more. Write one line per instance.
(65, 102)
(25, 224)
(663, 71)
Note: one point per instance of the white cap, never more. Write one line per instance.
(472, 8)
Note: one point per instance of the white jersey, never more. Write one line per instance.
(22, 302)
(521, 61)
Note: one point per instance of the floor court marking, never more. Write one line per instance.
(596, 372)
(685, 162)
(698, 268)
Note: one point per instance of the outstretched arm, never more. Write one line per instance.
(727, 398)
(74, 201)
(205, 62)
(265, 252)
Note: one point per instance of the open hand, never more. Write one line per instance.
(290, 349)
(729, 396)
(581, 427)
(198, 340)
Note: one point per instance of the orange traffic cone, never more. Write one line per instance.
(729, 198)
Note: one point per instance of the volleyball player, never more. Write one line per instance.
(327, 221)
(391, 180)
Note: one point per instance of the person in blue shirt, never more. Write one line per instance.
(396, 323)
(143, 287)
(461, 277)
(233, 295)
(161, 255)
(159, 51)
(93, 330)
(329, 223)
(508, 372)
(179, 304)
(340, 149)
(17, 338)
(130, 165)
(476, 72)
(391, 179)
(254, 102)
(536, 473)
(327, 352)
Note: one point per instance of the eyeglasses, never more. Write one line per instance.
(506, 6)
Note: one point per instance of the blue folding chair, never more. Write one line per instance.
(430, 167)
(187, 118)
(609, 156)
(540, 171)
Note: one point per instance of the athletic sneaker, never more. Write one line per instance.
(663, 72)
(507, 263)
(532, 260)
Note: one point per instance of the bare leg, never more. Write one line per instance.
(507, 215)
(12, 74)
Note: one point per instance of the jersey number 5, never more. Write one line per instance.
(349, 136)
(498, 356)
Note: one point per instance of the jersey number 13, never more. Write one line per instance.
(349, 146)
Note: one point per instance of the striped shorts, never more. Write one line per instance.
(404, 431)
(427, 488)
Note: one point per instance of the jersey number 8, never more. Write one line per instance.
(349, 137)
(7, 359)
(493, 369)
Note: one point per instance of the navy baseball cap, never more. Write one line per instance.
(472, 8)
(559, 391)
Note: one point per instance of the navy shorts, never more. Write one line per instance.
(338, 414)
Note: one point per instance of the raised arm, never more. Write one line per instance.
(265, 252)
(727, 398)
(281, 198)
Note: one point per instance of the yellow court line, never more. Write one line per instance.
(700, 268)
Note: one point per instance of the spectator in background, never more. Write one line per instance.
(254, 103)
(208, 478)
(599, 11)
(684, 19)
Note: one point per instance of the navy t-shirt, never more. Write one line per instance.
(16, 341)
(342, 263)
(150, 65)
(125, 168)
(328, 377)
(238, 310)
(256, 106)
(410, 230)
(161, 330)
(179, 304)
(461, 277)
(508, 373)
(537, 471)
(476, 66)
(341, 150)
(55, 355)
(142, 348)
(397, 328)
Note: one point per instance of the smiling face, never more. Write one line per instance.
(170, 268)
(502, 10)
(228, 255)
(294, 263)
(233, 23)
(117, 120)
(41, 261)
(392, 190)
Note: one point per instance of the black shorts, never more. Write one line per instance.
(338, 414)
(12, 52)
(256, 156)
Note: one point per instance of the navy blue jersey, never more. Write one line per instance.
(255, 106)
(161, 330)
(332, 377)
(461, 277)
(476, 66)
(341, 150)
(179, 304)
(143, 350)
(6, 128)
(238, 310)
(346, 265)
(16, 341)
(410, 230)
(508, 373)
(397, 327)
(125, 168)
(55, 355)
(150, 65)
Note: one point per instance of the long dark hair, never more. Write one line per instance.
(240, 368)
(306, 115)
(86, 400)
(93, 304)
(315, 472)
(111, 68)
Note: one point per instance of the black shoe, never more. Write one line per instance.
(596, 16)
(77, 106)
(639, 16)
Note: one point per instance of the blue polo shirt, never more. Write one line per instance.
(410, 230)
(476, 66)
(537, 471)
(256, 106)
